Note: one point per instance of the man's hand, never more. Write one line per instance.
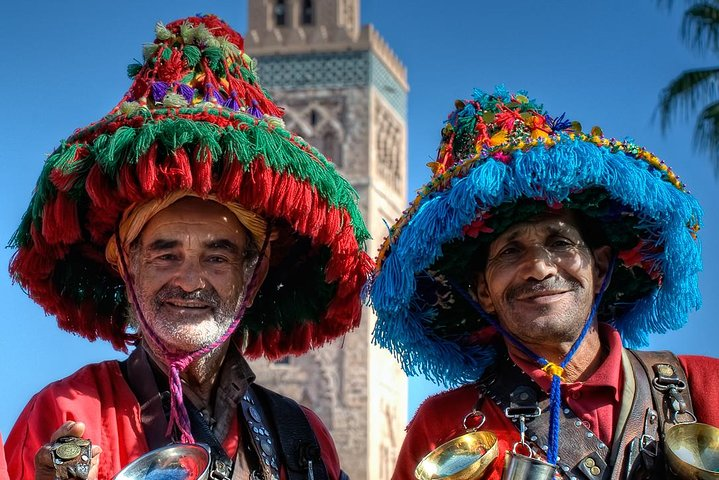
(44, 466)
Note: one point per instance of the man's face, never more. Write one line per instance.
(541, 279)
(189, 271)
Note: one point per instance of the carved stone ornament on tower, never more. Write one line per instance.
(345, 91)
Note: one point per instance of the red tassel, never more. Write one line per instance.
(127, 185)
(175, 172)
(228, 188)
(60, 223)
(202, 170)
(147, 171)
(99, 188)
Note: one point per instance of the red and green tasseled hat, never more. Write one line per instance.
(196, 119)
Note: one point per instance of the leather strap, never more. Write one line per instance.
(651, 363)
(298, 443)
(581, 453)
(627, 446)
(141, 379)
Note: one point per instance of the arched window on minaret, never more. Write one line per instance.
(280, 11)
(308, 12)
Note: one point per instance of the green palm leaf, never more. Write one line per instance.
(707, 133)
(686, 92)
(700, 26)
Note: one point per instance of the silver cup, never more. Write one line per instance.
(522, 467)
(177, 461)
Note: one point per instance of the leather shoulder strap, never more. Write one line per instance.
(665, 370)
(298, 443)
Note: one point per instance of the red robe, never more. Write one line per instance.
(595, 401)
(99, 396)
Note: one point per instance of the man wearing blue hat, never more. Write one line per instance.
(532, 256)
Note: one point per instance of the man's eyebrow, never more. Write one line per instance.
(222, 244)
(162, 244)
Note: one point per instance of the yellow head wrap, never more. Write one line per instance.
(137, 215)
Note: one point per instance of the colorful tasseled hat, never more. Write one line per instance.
(196, 119)
(501, 160)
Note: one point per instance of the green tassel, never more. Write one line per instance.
(214, 59)
(192, 55)
(235, 143)
(161, 32)
(187, 32)
(133, 69)
(228, 48)
(149, 50)
(166, 54)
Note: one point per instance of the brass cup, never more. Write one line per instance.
(692, 451)
(462, 458)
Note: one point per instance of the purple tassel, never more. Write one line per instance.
(187, 91)
(231, 102)
(254, 110)
(212, 95)
(159, 90)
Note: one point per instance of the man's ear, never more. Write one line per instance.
(602, 259)
(483, 294)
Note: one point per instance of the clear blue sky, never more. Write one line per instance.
(601, 62)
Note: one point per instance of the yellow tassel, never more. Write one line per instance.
(553, 369)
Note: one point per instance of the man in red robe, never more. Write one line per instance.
(516, 275)
(190, 224)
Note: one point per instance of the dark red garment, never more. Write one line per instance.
(99, 396)
(596, 401)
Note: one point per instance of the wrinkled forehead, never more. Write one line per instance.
(563, 221)
(192, 215)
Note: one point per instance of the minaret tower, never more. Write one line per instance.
(345, 92)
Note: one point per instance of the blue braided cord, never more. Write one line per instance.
(555, 395)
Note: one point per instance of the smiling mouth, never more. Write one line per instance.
(187, 305)
(544, 297)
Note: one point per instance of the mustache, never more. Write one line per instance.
(207, 295)
(535, 287)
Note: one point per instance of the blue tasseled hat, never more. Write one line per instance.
(503, 159)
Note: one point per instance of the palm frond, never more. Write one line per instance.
(686, 92)
(706, 133)
(700, 26)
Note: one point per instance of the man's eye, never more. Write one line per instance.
(561, 243)
(508, 251)
(217, 259)
(167, 257)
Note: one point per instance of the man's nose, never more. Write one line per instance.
(539, 263)
(190, 276)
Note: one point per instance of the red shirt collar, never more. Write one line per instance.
(608, 376)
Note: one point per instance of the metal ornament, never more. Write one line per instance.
(177, 461)
(71, 457)
(525, 466)
(463, 458)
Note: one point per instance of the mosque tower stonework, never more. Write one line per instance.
(345, 92)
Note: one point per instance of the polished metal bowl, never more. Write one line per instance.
(462, 458)
(692, 451)
(172, 462)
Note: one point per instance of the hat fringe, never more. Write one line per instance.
(553, 174)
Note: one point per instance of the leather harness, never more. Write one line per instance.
(646, 407)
